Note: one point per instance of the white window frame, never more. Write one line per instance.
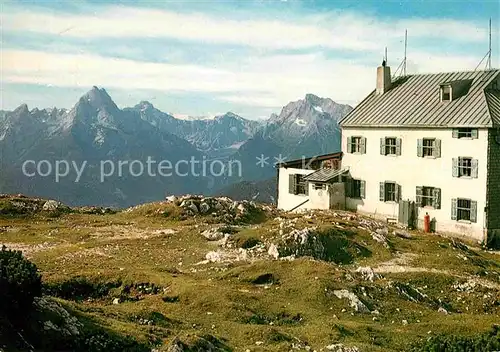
(446, 89)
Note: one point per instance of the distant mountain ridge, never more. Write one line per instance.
(304, 128)
(95, 129)
(216, 137)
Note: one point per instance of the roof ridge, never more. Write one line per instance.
(447, 72)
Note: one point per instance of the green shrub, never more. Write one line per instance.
(79, 288)
(20, 282)
(487, 342)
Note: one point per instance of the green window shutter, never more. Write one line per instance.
(348, 187)
(291, 184)
(454, 170)
(363, 145)
(382, 191)
(382, 146)
(474, 171)
(475, 133)
(306, 188)
(454, 209)
(419, 194)
(437, 148)
(349, 144)
(398, 146)
(398, 194)
(420, 148)
(362, 188)
(436, 198)
(473, 211)
(455, 133)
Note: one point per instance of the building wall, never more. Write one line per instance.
(411, 171)
(286, 200)
(319, 199)
(493, 190)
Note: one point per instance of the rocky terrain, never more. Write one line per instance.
(195, 273)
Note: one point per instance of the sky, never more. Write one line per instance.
(251, 57)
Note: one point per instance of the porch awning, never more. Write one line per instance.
(324, 175)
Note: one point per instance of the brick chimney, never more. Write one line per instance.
(383, 78)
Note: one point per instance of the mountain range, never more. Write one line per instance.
(95, 133)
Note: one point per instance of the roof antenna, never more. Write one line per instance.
(406, 44)
(488, 54)
(402, 66)
(489, 51)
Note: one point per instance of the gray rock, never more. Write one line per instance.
(191, 206)
(354, 301)
(51, 205)
(380, 239)
(213, 234)
(171, 199)
(442, 310)
(204, 208)
(367, 273)
(273, 251)
(402, 234)
(338, 347)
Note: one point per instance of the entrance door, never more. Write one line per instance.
(407, 213)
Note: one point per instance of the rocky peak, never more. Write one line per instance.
(144, 105)
(229, 116)
(98, 98)
(21, 109)
(314, 99)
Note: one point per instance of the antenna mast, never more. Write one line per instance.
(404, 60)
(489, 51)
(488, 54)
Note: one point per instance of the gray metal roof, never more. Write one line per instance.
(414, 101)
(324, 175)
(493, 100)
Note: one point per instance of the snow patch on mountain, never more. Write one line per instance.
(319, 109)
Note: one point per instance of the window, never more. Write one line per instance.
(429, 147)
(318, 186)
(463, 209)
(297, 184)
(390, 146)
(446, 93)
(466, 167)
(357, 189)
(428, 197)
(390, 191)
(466, 133)
(356, 144)
(300, 186)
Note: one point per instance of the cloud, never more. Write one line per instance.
(263, 63)
(335, 30)
(267, 81)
